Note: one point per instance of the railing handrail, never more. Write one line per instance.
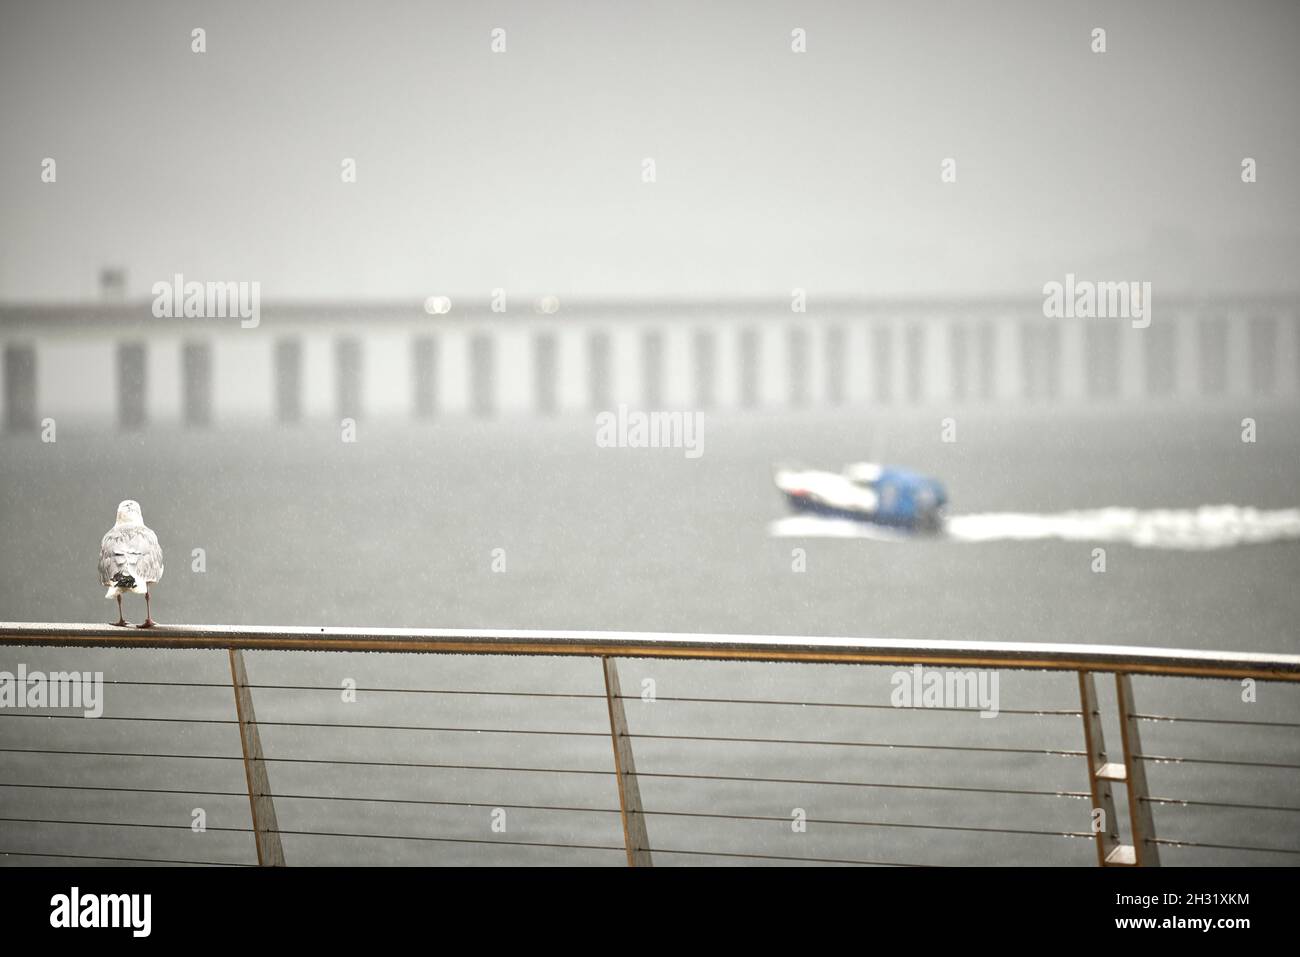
(1050, 656)
(1140, 846)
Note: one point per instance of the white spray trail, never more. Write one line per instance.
(1207, 527)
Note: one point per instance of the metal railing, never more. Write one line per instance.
(1114, 776)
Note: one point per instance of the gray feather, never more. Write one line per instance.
(132, 550)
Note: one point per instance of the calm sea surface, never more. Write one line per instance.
(401, 527)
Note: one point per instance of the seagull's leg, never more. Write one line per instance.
(148, 615)
(121, 621)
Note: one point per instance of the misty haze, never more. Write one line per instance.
(690, 354)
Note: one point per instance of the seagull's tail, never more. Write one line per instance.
(123, 583)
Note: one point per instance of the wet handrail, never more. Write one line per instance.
(1050, 656)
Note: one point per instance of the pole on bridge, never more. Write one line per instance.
(1139, 808)
(266, 830)
(629, 793)
(1111, 851)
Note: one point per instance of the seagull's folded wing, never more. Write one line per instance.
(134, 551)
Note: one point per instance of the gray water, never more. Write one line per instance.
(400, 528)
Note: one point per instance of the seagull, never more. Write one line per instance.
(130, 559)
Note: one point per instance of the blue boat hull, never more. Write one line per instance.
(924, 521)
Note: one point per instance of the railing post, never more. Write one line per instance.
(635, 838)
(1110, 851)
(1139, 808)
(266, 829)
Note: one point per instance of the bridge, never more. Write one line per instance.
(116, 365)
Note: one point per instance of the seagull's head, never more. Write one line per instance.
(128, 513)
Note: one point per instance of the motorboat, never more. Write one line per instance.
(866, 492)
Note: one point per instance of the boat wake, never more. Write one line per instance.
(1207, 527)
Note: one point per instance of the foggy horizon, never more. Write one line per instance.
(606, 434)
(522, 169)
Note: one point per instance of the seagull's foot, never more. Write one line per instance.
(148, 623)
(121, 623)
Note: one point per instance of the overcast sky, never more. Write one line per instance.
(523, 170)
